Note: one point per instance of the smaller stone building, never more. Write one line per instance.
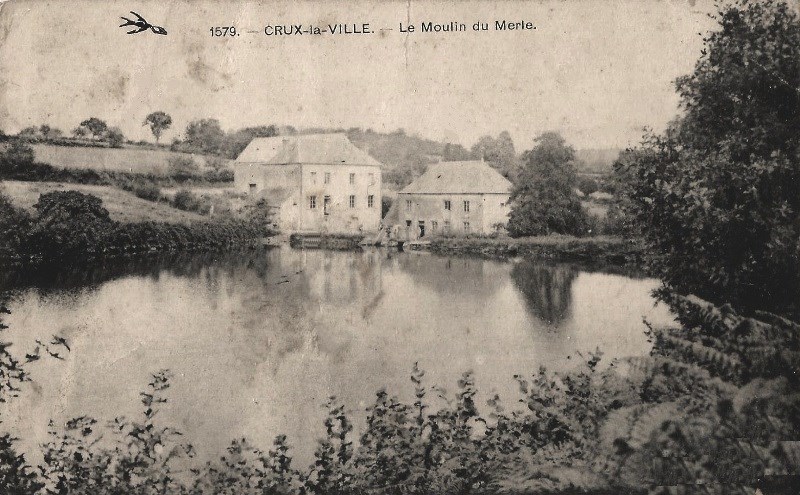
(452, 198)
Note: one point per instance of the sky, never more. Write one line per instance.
(596, 71)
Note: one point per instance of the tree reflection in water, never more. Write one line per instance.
(547, 289)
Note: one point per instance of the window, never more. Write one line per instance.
(327, 177)
(313, 177)
(312, 202)
(466, 206)
(352, 201)
(447, 226)
(352, 179)
(434, 226)
(408, 205)
(253, 188)
(371, 179)
(370, 201)
(326, 203)
(446, 204)
(466, 227)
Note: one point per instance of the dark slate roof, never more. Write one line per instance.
(331, 149)
(472, 177)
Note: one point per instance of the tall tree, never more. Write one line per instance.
(158, 122)
(205, 135)
(29, 133)
(717, 196)
(48, 132)
(236, 142)
(115, 137)
(95, 126)
(499, 153)
(454, 152)
(543, 200)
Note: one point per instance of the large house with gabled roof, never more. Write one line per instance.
(315, 183)
(452, 198)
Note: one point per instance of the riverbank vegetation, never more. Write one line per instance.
(73, 225)
(598, 250)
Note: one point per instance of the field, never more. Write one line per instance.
(131, 159)
(595, 208)
(123, 206)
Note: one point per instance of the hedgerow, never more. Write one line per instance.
(17, 163)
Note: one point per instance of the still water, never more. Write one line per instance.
(257, 341)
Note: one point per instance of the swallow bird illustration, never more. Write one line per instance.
(142, 24)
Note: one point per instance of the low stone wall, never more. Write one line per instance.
(326, 241)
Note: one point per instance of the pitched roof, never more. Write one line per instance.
(309, 148)
(472, 177)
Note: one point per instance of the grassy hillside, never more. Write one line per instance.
(122, 206)
(130, 159)
(404, 157)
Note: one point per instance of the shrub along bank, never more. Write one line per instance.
(70, 224)
(600, 250)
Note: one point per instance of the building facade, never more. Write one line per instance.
(318, 183)
(453, 198)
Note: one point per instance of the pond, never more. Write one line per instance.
(257, 341)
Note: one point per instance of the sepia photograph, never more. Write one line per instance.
(401, 247)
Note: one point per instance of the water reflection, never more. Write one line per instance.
(258, 339)
(547, 289)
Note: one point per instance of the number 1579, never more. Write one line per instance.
(223, 31)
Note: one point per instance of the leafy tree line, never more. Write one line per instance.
(99, 131)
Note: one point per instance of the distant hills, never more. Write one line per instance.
(406, 156)
(596, 161)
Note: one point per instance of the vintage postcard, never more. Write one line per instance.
(401, 247)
